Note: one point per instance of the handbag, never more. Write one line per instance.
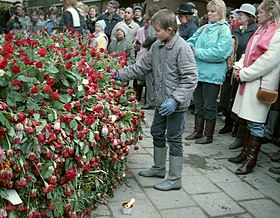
(266, 96)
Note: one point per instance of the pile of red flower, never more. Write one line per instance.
(65, 126)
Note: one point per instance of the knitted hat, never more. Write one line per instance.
(101, 23)
(123, 27)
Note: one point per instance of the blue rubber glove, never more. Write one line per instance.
(168, 107)
(115, 74)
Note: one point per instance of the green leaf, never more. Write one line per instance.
(49, 172)
(57, 105)
(4, 121)
(91, 136)
(123, 99)
(36, 116)
(53, 70)
(73, 124)
(27, 79)
(50, 117)
(65, 98)
(65, 82)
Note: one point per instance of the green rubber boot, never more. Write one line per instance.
(173, 181)
(158, 169)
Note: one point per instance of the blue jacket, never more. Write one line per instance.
(212, 45)
(187, 30)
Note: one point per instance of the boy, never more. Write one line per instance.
(172, 63)
(122, 45)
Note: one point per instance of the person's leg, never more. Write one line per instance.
(158, 130)
(271, 125)
(199, 113)
(175, 129)
(257, 134)
(149, 82)
(210, 93)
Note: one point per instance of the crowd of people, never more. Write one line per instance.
(217, 62)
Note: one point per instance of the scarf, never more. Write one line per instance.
(264, 35)
(75, 16)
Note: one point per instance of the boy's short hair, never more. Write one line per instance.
(165, 18)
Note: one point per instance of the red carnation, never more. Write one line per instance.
(55, 96)
(39, 64)
(3, 63)
(71, 91)
(42, 52)
(47, 89)
(51, 81)
(15, 69)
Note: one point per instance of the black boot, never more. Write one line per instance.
(228, 125)
(208, 133)
(238, 142)
(198, 129)
(246, 146)
(252, 157)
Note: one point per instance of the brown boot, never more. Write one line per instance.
(198, 129)
(246, 146)
(252, 157)
(208, 133)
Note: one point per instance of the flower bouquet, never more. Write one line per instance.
(66, 127)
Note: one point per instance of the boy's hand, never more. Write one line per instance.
(115, 74)
(168, 107)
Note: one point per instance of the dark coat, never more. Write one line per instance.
(110, 23)
(187, 30)
(243, 38)
(67, 21)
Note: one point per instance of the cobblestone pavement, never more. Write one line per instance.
(210, 187)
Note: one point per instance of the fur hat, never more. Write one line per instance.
(102, 24)
(123, 27)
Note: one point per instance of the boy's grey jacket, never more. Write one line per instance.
(174, 69)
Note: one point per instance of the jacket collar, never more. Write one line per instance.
(170, 44)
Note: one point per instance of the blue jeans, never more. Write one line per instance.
(256, 129)
(169, 129)
(205, 100)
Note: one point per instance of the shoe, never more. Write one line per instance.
(275, 170)
(276, 156)
(148, 107)
(225, 129)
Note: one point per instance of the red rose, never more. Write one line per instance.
(71, 174)
(21, 117)
(51, 81)
(3, 63)
(39, 64)
(9, 37)
(68, 65)
(7, 50)
(71, 91)
(16, 141)
(55, 96)
(67, 107)
(47, 89)
(34, 90)
(41, 137)
(2, 132)
(42, 52)
(15, 69)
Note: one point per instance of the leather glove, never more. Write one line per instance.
(168, 107)
(115, 74)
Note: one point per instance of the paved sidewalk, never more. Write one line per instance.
(210, 187)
